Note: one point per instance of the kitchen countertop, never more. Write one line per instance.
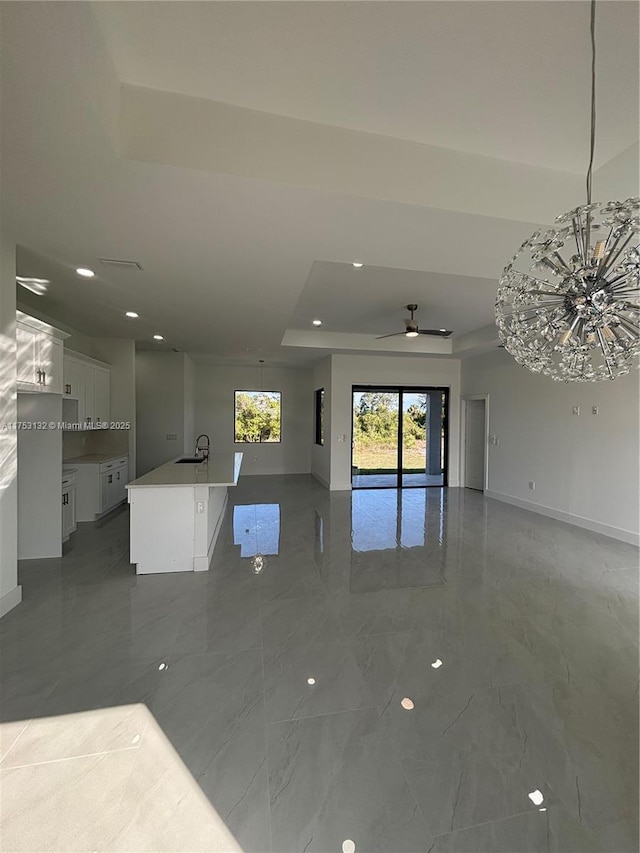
(93, 458)
(220, 469)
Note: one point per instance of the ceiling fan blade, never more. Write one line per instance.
(435, 332)
(392, 335)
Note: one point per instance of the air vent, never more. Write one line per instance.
(117, 262)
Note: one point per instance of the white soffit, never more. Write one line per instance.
(193, 133)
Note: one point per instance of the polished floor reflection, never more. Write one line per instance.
(418, 671)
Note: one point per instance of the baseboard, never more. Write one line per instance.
(560, 515)
(340, 487)
(10, 600)
(320, 479)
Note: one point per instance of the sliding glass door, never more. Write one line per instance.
(375, 439)
(399, 437)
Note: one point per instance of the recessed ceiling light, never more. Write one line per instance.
(158, 338)
(85, 272)
(317, 322)
(131, 314)
(311, 681)
(358, 264)
(536, 797)
(407, 704)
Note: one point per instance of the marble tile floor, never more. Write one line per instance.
(258, 707)
(372, 481)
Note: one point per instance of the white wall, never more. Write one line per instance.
(160, 408)
(189, 405)
(10, 592)
(214, 387)
(39, 478)
(349, 370)
(321, 454)
(585, 466)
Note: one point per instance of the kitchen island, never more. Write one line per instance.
(177, 511)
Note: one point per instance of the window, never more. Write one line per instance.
(258, 416)
(320, 416)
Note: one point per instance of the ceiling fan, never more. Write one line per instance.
(412, 330)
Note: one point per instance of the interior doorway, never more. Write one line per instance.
(399, 437)
(475, 444)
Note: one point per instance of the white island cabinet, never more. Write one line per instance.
(100, 483)
(177, 511)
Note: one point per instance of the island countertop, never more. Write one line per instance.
(220, 469)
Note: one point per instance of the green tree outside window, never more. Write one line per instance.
(258, 416)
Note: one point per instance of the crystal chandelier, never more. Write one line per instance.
(568, 305)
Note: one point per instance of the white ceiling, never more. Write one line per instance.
(504, 79)
(234, 255)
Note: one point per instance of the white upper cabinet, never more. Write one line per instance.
(87, 381)
(73, 385)
(39, 357)
(50, 357)
(101, 394)
(28, 370)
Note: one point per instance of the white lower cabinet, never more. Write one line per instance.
(100, 486)
(68, 506)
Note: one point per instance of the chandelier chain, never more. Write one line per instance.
(593, 99)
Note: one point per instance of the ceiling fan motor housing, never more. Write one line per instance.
(411, 325)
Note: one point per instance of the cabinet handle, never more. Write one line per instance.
(111, 478)
(44, 378)
(118, 474)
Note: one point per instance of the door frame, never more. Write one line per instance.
(411, 389)
(463, 438)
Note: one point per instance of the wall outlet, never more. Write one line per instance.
(493, 439)
(200, 506)
(171, 436)
(532, 485)
(576, 410)
(341, 437)
(594, 410)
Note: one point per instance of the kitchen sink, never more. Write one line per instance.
(192, 459)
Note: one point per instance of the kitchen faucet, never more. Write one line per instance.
(204, 449)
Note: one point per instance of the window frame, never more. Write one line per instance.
(319, 416)
(255, 391)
